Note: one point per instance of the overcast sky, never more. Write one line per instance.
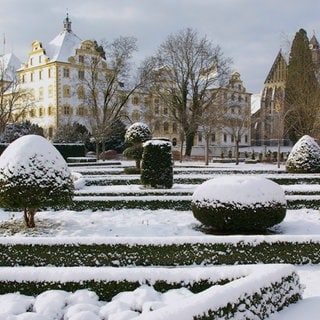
(251, 32)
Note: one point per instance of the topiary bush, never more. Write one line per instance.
(304, 156)
(157, 165)
(239, 204)
(136, 134)
(33, 174)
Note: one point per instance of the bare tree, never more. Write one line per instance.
(184, 68)
(211, 120)
(237, 124)
(108, 86)
(14, 101)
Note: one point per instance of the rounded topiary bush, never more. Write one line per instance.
(157, 166)
(239, 203)
(304, 156)
(137, 133)
(33, 175)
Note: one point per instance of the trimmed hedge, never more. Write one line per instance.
(184, 254)
(70, 149)
(256, 295)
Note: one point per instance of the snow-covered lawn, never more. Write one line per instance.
(131, 224)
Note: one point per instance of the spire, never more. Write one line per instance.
(67, 24)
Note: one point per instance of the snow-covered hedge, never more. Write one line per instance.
(157, 164)
(304, 156)
(154, 251)
(249, 292)
(239, 203)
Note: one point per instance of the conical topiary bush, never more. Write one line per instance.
(304, 156)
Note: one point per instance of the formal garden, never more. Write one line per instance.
(98, 240)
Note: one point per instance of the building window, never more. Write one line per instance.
(232, 138)
(66, 110)
(40, 75)
(199, 137)
(31, 76)
(81, 94)
(49, 111)
(165, 110)
(40, 112)
(22, 78)
(156, 109)
(81, 111)
(66, 72)
(136, 116)
(66, 91)
(166, 127)
(174, 127)
(225, 137)
(157, 126)
(81, 74)
(135, 100)
(32, 113)
(81, 59)
(50, 91)
(246, 138)
(31, 61)
(40, 59)
(213, 137)
(41, 93)
(49, 73)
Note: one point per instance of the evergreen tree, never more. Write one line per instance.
(302, 90)
(16, 130)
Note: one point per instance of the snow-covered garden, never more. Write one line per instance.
(123, 251)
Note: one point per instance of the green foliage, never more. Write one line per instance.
(137, 133)
(133, 152)
(71, 133)
(233, 217)
(171, 254)
(304, 156)
(16, 130)
(70, 149)
(302, 89)
(157, 166)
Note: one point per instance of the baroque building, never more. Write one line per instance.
(53, 74)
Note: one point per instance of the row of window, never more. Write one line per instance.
(66, 110)
(226, 138)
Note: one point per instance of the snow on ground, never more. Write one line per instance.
(138, 224)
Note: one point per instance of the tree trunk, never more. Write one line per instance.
(189, 143)
(29, 214)
(278, 153)
(206, 152)
(97, 150)
(181, 146)
(138, 164)
(237, 152)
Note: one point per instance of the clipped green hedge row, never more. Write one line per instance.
(260, 304)
(103, 288)
(254, 298)
(179, 203)
(159, 255)
(192, 180)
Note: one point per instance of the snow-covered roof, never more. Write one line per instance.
(9, 63)
(64, 45)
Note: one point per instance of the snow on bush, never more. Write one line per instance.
(33, 174)
(239, 203)
(304, 156)
(157, 165)
(257, 292)
(137, 133)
